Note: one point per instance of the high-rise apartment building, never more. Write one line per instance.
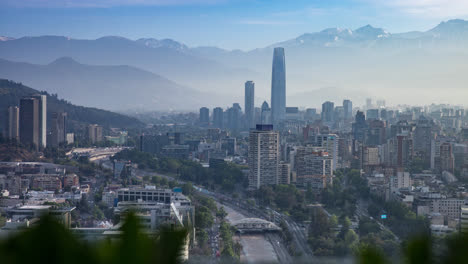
(13, 123)
(58, 127)
(29, 121)
(264, 156)
(218, 117)
(447, 160)
(329, 143)
(249, 105)
(313, 167)
(94, 133)
(278, 86)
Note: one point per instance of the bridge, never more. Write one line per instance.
(255, 225)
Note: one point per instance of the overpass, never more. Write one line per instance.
(255, 225)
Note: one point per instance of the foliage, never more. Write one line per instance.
(286, 198)
(224, 176)
(51, 242)
(203, 217)
(230, 250)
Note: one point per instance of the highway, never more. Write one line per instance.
(243, 208)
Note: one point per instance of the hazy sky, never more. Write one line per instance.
(232, 24)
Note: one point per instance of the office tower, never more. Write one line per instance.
(13, 122)
(58, 128)
(338, 113)
(249, 105)
(376, 134)
(423, 137)
(359, 127)
(234, 117)
(327, 112)
(314, 167)
(311, 114)
(204, 116)
(292, 113)
(42, 99)
(94, 133)
(266, 114)
(372, 114)
(348, 109)
(278, 86)
(218, 117)
(29, 121)
(384, 114)
(368, 103)
(264, 156)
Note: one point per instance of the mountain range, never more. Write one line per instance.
(109, 87)
(368, 61)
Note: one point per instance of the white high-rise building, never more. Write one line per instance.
(264, 157)
(42, 119)
(249, 105)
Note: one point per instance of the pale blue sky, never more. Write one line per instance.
(231, 24)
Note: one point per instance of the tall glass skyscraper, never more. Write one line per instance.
(278, 86)
(249, 105)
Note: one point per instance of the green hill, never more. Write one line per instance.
(78, 116)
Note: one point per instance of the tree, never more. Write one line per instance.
(187, 188)
(221, 213)
(319, 225)
(333, 221)
(202, 237)
(203, 218)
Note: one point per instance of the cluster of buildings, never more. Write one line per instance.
(28, 123)
(18, 178)
(417, 155)
(31, 124)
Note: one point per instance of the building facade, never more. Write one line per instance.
(264, 156)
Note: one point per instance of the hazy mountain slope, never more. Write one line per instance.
(110, 87)
(11, 93)
(162, 57)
